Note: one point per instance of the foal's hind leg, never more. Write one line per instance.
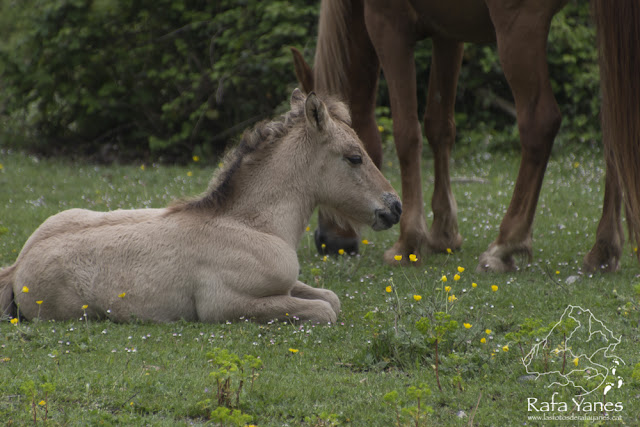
(440, 129)
(522, 39)
(605, 254)
(289, 307)
(302, 290)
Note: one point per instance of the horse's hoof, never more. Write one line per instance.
(594, 261)
(399, 254)
(443, 243)
(490, 262)
(330, 243)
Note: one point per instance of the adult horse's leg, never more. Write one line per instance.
(392, 33)
(440, 129)
(522, 39)
(361, 73)
(606, 252)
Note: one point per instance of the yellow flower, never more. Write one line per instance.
(449, 250)
(398, 257)
(494, 288)
(196, 158)
(576, 360)
(308, 228)
(452, 298)
(487, 331)
(141, 167)
(122, 295)
(25, 289)
(444, 278)
(84, 307)
(324, 258)
(474, 285)
(341, 251)
(505, 348)
(14, 321)
(447, 288)
(220, 165)
(380, 128)
(365, 242)
(42, 403)
(388, 289)
(557, 272)
(189, 173)
(294, 350)
(460, 269)
(483, 340)
(323, 246)
(456, 277)
(467, 325)
(576, 165)
(413, 258)
(417, 297)
(39, 302)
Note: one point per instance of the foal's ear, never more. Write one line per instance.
(316, 113)
(297, 98)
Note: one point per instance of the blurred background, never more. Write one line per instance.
(166, 80)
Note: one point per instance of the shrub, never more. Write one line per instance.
(166, 77)
(175, 78)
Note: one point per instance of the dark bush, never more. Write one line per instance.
(173, 78)
(162, 77)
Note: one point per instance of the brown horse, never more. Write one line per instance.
(229, 253)
(358, 37)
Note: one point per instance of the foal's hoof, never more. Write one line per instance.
(330, 243)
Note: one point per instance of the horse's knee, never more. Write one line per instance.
(539, 128)
(439, 132)
(408, 139)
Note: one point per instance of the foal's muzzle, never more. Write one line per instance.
(390, 215)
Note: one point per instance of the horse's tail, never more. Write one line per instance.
(332, 52)
(344, 51)
(7, 305)
(618, 27)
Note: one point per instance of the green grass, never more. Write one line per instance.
(145, 374)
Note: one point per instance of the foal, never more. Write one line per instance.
(226, 254)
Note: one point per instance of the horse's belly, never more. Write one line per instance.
(462, 20)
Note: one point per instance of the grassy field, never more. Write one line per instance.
(377, 365)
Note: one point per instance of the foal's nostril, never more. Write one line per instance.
(397, 207)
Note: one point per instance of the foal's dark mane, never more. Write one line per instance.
(254, 144)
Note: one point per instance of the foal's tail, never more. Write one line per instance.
(7, 306)
(618, 26)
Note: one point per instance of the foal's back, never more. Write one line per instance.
(80, 257)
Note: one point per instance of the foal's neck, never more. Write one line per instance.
(275, 197)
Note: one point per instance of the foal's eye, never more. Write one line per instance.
(354, 160)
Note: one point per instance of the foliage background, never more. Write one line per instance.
(169, 79)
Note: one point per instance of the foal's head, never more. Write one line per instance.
(347, 181)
